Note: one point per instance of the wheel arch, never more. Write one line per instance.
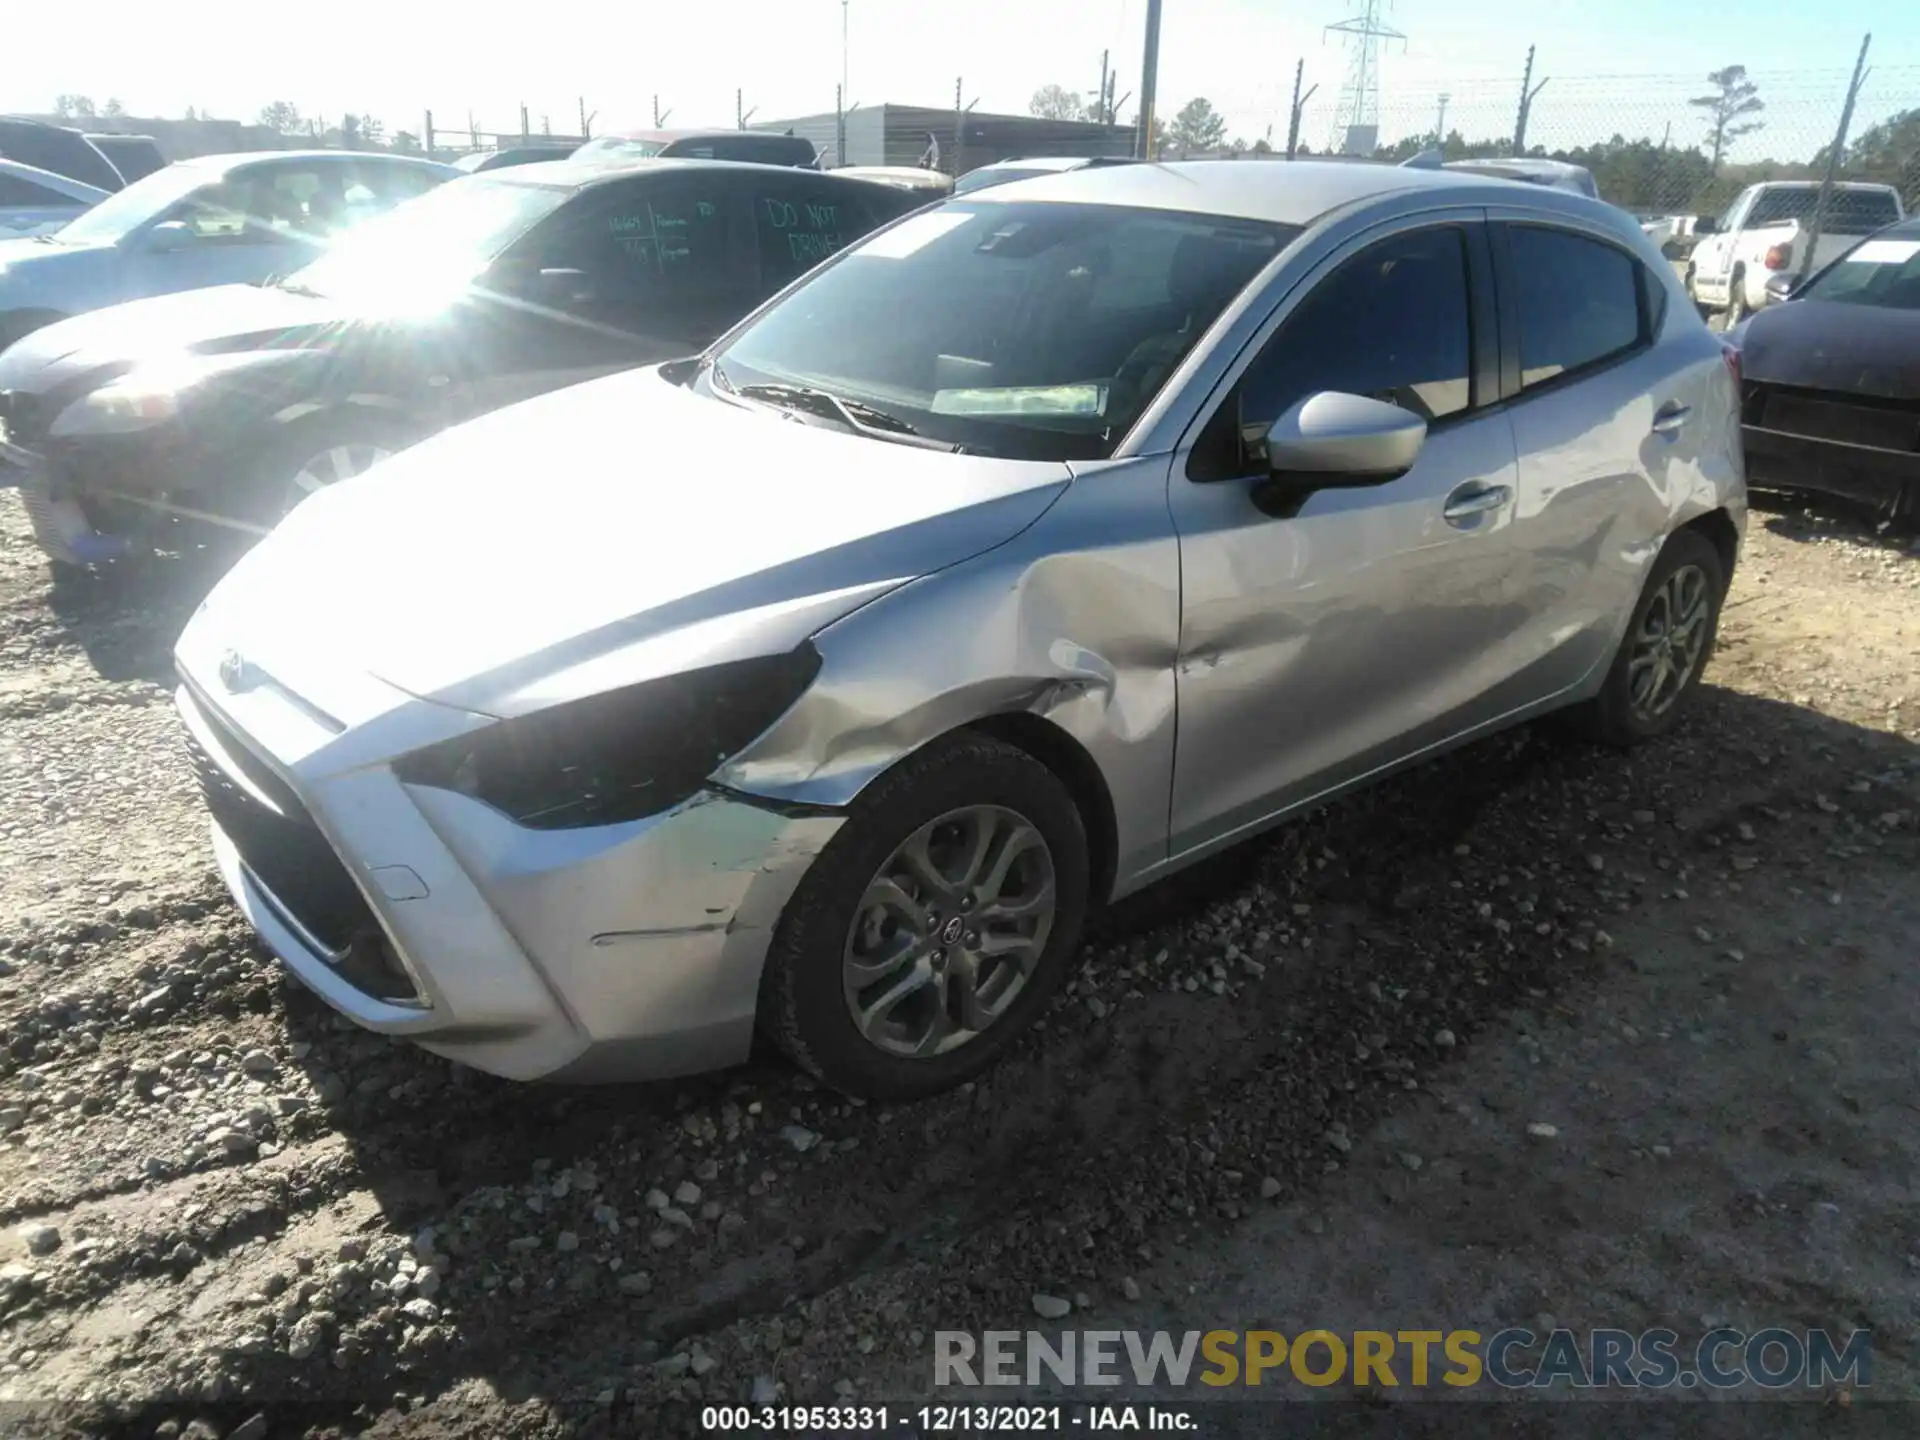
(1718, 527)
(21, 322)
(1076, 769)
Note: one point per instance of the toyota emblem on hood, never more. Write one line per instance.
(234, 671)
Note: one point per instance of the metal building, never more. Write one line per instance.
(904, 134)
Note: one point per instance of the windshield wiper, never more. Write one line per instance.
(856, 415)
(294, 287)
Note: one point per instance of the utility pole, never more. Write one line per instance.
(586, 120)
(843, 66)
(1834, 154)
(1149, 79)
(1440, 122)
(959, 124)
(839, 125)
(1299, 105)
(1526, 105)
(1100, 101)
(659, 115)
(526, 131)
(426, 133)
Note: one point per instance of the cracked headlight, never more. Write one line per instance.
(148, 395)
(620, 756)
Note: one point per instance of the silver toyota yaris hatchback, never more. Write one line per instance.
(1017, 557)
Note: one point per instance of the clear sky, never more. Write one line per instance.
(231, 57)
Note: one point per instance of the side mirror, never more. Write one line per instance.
(171, 235)
(1336, 441)
(1781, 287)
(1345, 439)
(1706, 225)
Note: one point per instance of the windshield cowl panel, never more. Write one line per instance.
(1018, 330)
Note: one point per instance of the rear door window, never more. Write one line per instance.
(18, 191)
(1578, 298)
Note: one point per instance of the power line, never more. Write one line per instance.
(1356, 122)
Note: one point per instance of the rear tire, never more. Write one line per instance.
(868, 923)
(1737, 307)
(1705, 311)
(1665, 650)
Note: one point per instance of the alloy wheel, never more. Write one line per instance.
(949, 931)
(1667, 647)
(330, 467)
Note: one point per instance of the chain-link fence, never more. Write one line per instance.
(1679, 145)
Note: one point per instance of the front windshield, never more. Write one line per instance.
(1883, 273)
(612, 147)
(432, 246)
(125, 211)
(1028, 331)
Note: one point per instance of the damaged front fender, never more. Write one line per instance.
(1076, 621)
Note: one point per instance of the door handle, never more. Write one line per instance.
(1670, 417)
(1474, 499)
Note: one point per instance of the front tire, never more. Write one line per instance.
(1666, 648)
(311, 455)
(934, 927)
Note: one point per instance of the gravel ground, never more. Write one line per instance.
(1292, 1086)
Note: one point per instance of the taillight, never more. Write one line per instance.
(1779, 256)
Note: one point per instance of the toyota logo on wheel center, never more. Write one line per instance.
(951, 932)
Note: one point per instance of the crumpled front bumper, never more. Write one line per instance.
(617, 953)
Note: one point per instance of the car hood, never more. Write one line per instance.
(1824, 345)
(29, 265)
(119, 337)
(600, 535)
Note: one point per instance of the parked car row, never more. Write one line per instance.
(221, 219)
(962, 568)
(37, 202)
(227, 405)
(1831, 399)
(1767, 231)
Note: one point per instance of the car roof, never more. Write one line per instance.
(665, 136)
(251, 159)
(583, 172)
(73, 189)
(1816, 184)
(1043, 162)
(1269, 190)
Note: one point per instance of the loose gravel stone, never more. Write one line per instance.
(1051, 1307)
(39, 1239)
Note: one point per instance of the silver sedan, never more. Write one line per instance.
(1017, 557)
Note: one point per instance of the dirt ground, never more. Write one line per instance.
(1292, 1090)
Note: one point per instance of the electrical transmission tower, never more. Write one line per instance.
(1356, 121)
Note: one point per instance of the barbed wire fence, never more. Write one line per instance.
(1648, 139)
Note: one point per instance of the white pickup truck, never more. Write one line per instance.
(1765, 232)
